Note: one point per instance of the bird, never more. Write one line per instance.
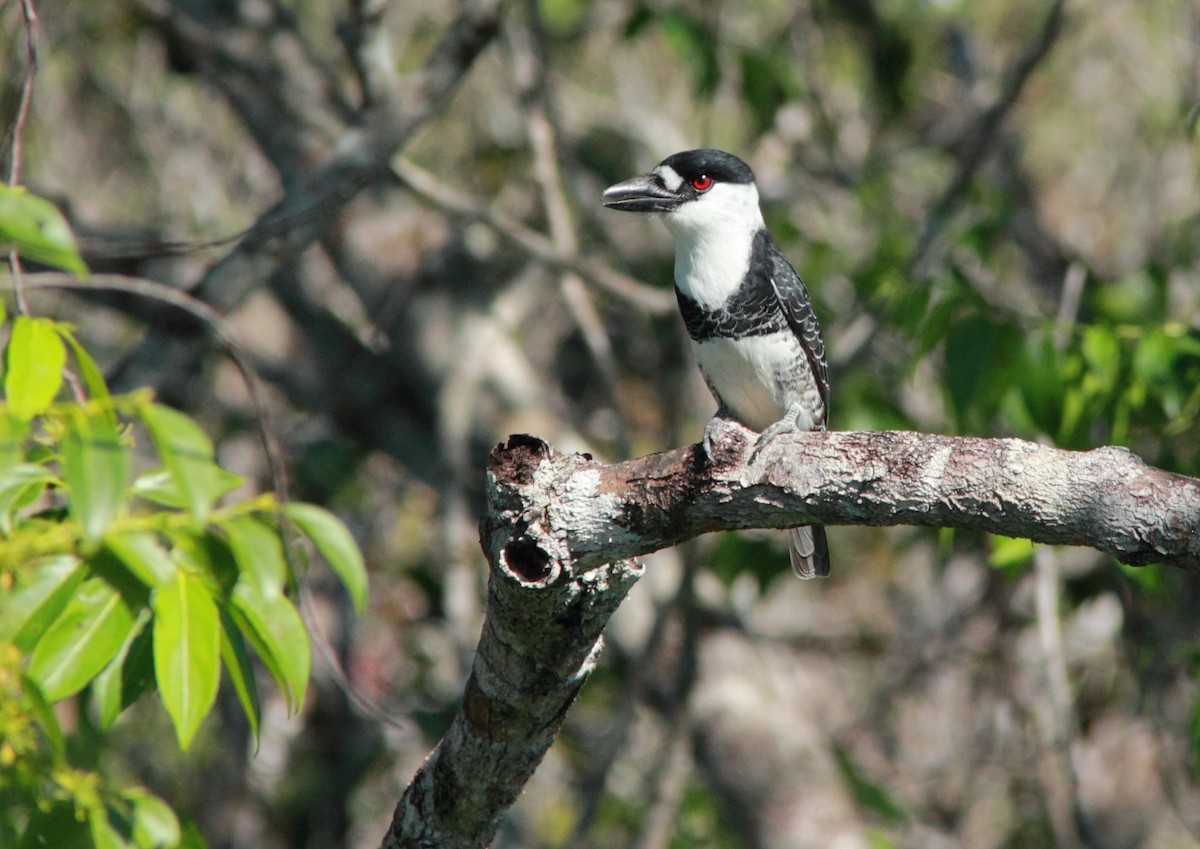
(750, 319)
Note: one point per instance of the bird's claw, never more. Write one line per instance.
(711, 432)
(787, 424)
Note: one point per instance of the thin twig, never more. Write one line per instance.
(529, 71)
(29, 12)
(1068, 304)
(31, 63)
(433, 191)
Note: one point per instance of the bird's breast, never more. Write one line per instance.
(757, 378)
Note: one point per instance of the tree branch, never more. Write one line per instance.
(560, 531)
(1106, 498)
(312, 201)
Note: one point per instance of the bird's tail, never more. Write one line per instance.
(809, 551)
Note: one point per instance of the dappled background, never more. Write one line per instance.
(995, 207)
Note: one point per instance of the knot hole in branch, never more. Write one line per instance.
(527, 560)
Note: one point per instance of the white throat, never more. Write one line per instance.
(713, 237)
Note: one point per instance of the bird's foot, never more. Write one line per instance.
(712, 432)
(725, 438)
(788, 424)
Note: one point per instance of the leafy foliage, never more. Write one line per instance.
(123, 570)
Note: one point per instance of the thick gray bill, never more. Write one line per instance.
(641, 194)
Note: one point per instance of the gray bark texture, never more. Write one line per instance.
(560, 530)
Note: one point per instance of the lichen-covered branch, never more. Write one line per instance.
(560, 531)
(1106, 498)
(540, 641)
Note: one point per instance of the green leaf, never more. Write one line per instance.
(143, 555)
(192, 838)
(274, 628)
(96, 469)
(1102, 354)
(27, 612)
(241, 674)
(1010, 553)
(45, 715)
(20, 486)
(187, 452)
(13, 433)
(154, 823)
(969, 347)
(37, 230)
(187, 644)
(159, 486)
(127, 675)
(104, 836)
(93, 378)
(336, 545)
(81, 642)
(55, 826)
(34, 360)
(979, 368)
(1041, 381)
(258, 550)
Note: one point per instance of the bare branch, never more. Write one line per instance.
(427, 187)
(313, 201)
(29, 12)
(1106, 498)
(559, 531)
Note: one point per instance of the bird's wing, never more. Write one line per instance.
(797, 309)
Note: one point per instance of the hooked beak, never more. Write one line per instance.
(641, 194)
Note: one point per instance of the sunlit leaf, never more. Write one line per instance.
(337, 546)
(192, 838)
(93, 378)
(1102, 354)
(187, 452)
(143, 555)
(154, 823)
(258, 549)
(37, 230)
(1009, 553)
(96, 470)
(27, 612)
(274, 628)
(159, 486)
(20, 485)
(13, 433)
(104, 836)
(34, 361)
(187, 643)
(81, 642)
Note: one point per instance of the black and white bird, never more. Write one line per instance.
(747, 312)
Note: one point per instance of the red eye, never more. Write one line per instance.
(702, 183)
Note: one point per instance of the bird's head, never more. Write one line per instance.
(697, 191)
